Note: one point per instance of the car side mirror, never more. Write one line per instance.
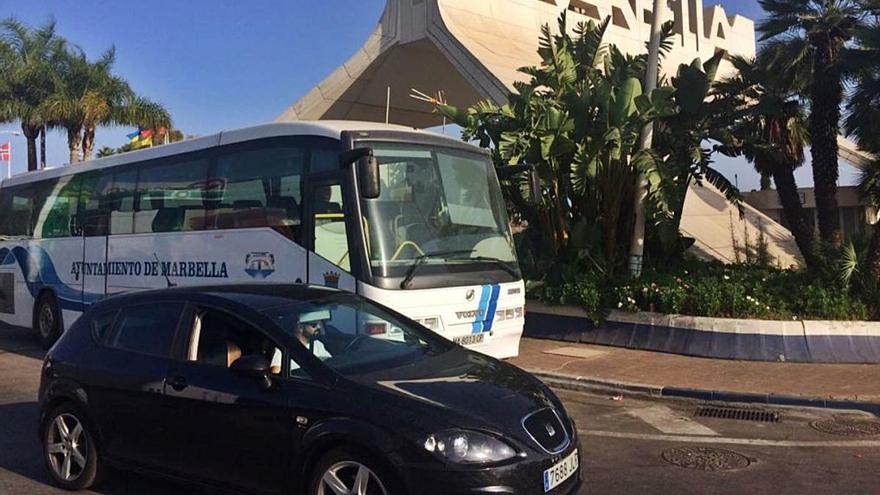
(255, 366)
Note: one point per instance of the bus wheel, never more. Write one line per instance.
(47, 319)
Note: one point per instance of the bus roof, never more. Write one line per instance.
(323, 128)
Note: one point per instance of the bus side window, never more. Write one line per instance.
(58, 218)
(170, 197)
(16, 211)
(261, 188)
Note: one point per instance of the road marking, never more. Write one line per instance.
(667, 421)
(871, 444)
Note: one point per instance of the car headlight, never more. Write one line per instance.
(468, 447)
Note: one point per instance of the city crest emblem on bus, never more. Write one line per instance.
(331, 279)
(260, 265)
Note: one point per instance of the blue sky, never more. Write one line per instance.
(220, 64)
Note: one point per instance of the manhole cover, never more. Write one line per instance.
(705, 458)
(847, 427)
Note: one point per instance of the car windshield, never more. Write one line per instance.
(352, 336)
(439, 207)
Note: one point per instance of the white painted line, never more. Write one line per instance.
(667, 421)
(854, 444)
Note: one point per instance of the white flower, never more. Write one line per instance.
(726, 277)
(620, 304)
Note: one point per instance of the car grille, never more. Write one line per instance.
(546, 429)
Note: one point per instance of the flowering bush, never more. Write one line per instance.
(716, 290)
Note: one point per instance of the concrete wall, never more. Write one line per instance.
(724, 338)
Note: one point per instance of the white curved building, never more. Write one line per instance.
(472, 50)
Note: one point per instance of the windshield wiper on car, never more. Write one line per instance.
(422, 259)
(504, 265)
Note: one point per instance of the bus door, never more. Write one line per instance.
(327, 235)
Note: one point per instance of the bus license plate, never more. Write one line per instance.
(562, 471)
(473, 339)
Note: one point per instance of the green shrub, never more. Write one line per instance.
(715, 290)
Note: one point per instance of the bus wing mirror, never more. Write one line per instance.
(367, 167)
(368, 176)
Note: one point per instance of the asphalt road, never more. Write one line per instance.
(623, 445)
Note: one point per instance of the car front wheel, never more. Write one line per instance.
(69, 449)
(347, 472)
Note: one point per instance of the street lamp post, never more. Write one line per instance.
(9, 152)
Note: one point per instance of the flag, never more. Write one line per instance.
(133, 135)
(146, 134)
(148, 141)
(5, 152)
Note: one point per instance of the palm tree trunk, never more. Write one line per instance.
(43, 146)
(30, 134)
(874, 253)
(793, 209)
(88, 143)
(824, 126)
(74, 140)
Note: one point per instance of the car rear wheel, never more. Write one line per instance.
(69, 449)
(347, 472)
(47, 319)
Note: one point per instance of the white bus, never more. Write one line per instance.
(410, 219)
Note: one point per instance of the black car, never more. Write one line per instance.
(293, 389)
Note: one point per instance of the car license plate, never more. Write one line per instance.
(562, 471)
(472, 339)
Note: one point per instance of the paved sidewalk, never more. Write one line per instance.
(852, 382)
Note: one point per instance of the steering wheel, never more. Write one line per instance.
(355, 343)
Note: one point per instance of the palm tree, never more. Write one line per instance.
(811, 36)
(105, 152)
(89, 96)
(862, 122)
(29, 61)
(870, 189)
(769, 127)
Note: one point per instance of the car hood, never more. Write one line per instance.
(464, 389)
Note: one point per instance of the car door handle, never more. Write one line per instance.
(176, 382)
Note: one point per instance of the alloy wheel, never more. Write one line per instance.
(350, 478)
(67, 447)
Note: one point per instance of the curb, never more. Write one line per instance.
(587, 384)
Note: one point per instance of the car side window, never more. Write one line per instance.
(147, 329)
(101, 325)
(219, 339)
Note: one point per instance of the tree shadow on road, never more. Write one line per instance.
(22, 469)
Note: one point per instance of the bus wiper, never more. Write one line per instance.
(422, 259)
(504, 265)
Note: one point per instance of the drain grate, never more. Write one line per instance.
(738, 414)
(847, 427)
(706, 458)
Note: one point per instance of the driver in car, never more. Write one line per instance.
(308, 329)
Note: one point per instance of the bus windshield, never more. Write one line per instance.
(440, 210)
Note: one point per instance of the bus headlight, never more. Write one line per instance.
(468, 447)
